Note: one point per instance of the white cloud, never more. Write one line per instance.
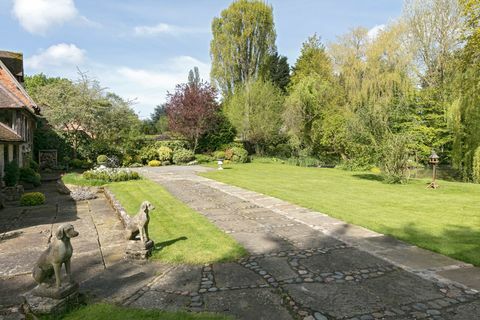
(149, 87)
(375, 31)
(165, 29)
(57, 55)
(37, 16)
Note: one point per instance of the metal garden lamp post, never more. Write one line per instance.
(433, 160)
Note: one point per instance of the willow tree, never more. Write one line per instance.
(465, 110)
(243, 38)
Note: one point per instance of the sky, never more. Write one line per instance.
(140, 49)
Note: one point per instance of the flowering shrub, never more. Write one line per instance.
(111, 174)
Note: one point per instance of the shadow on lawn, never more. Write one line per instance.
(458, 242)
(369, 176)
(164, 244)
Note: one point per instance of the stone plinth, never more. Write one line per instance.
(47, 299)
(137, 250)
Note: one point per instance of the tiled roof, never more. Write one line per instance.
(8, 100)
(8, 135)
(15, 90)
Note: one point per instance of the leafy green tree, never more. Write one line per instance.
(255, 110)
(277, 70)
(243, 38)
(313, 60)
(464, 113)
(304, 109)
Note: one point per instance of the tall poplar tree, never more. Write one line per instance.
(243, 38)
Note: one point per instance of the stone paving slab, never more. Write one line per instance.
(313, 267)
(470, 275)
(26, 233)
(261, 304)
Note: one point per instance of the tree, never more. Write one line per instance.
(313, 60)
(434, 28)
(304, 109)
(255, 110)
(277, 70)
(191, 110)
(243, 38)
(464, 115)
(194, 77)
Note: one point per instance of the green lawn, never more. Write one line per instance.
(77, 179)
(446, 220)
(181, 235)
(111, 312)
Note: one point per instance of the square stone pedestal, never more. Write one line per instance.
(45, 299)
(137, 250)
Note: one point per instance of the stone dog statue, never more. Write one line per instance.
(139, 223)
(58, 252)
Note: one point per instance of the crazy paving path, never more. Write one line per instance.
(305, 265)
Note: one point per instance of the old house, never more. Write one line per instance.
(17, 112)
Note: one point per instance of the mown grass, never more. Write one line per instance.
(181, 235)
(446, 220)
(112, 312)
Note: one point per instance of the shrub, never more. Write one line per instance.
(221, 133)
(148, 153)
(33, 164)
(230, 145)
(172, 144)
(165, 154)
(12, 174)
(154, 163)
(32, 199)
(282, 150)
(102, 159)
(79, 164)
(219, 154)
(29, 175)
(111, 174)
(476, 166)
(236, 154)
(204, 158)
(183, 156)
(394, 158)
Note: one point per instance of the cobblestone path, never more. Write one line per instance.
(304, 265)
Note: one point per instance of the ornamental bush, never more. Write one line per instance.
(183, 156)
(165, 154)
(204, 158)
(476, 165)
(111, 174)
(29, 175)
(236, 154)
(32, 199)
(102, 159)
(12, 174)
(219, 155)
(148, 153)
(154, 163)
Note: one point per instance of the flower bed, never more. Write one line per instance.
(111, 174)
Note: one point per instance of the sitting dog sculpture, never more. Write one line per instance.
(58, 252)
(139, 223)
